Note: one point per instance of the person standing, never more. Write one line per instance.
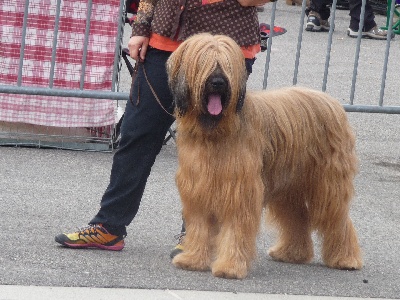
(158, 29)
(318, 14)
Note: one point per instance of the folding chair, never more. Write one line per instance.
(396, 17)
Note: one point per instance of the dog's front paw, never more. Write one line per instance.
(229, 270)
(190, 262)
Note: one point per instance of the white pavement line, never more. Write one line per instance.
(14, 292)
(175, 295)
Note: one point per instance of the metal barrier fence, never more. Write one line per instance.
(47, 136)
(379, 107)
(308, 77)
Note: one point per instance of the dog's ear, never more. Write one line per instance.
(181, 105)
(179, 91)
(242, 95)
(181, 98)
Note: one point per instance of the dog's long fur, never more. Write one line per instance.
(290, 151)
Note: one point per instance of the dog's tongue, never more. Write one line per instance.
(214, 104)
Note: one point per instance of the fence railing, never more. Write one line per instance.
(326, 64)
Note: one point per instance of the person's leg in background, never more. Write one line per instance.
(370, 28)
(318, 14)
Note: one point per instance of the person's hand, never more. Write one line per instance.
(137, 46)
(253, 2)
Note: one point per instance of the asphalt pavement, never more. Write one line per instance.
(63, 293)
(48, 191)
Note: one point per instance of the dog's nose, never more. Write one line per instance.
(218, 82)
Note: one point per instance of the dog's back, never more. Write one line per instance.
(296, 108)
(307, 131)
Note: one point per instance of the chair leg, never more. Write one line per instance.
(396, 12)
(172, 134)
(396, 25)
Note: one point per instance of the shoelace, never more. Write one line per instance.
(180, 237)
(89, 229)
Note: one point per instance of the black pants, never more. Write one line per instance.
(143, 130)
(321, 7)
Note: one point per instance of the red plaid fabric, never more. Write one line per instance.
(49, 110)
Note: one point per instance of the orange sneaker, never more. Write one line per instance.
(92, 236)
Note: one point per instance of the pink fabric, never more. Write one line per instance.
(49, 110)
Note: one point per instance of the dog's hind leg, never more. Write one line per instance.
(197, 245)
(340, 249)
(291, 217)
(330, 216)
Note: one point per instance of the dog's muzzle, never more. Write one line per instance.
(216, 95)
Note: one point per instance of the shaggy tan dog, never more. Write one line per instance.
(290, 151)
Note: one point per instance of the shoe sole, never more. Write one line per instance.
(355, 36)
(91, 245)
(366, 36)
(176, 251)
(373, 38)
(314, 28)
(99, 246)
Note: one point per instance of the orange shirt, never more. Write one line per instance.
(166, 44)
